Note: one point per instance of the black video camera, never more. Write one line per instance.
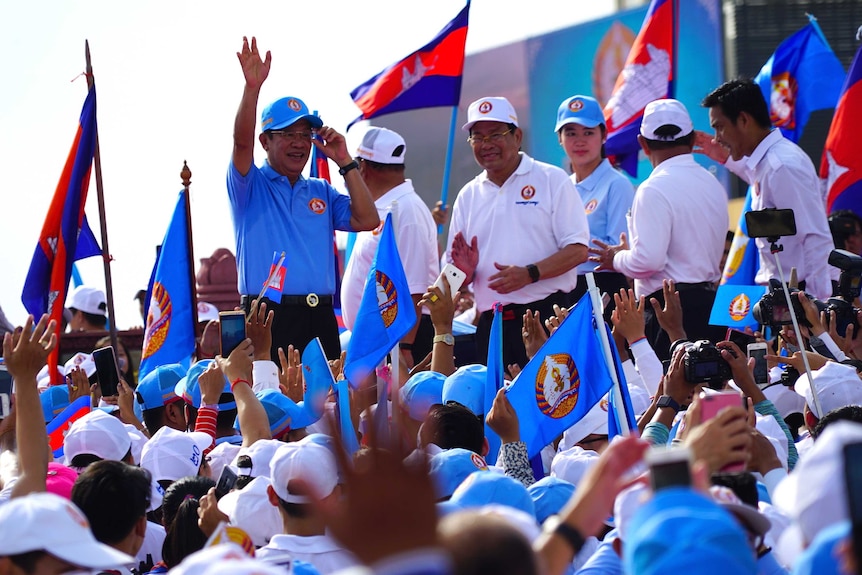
(703, 364)
(771, 309)
(849, 288)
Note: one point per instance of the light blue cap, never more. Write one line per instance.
(582, 110)
(189, 389)
(467, 387)
(54, 400)
(480, 489)
(156, 389)
(421, 391)
(449, 468)
(549, 495)
(285, 112)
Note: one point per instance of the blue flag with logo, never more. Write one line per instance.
(563, 381)
(386, 311)
(169, 336)
(345, 423)
(318, 381)
(626, 410)
(494, 378)
(734, 305)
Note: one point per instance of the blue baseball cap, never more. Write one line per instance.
(549, 495)
(281, 412)
(467, 387)
(448, 469)
(680, 530)
(480, 489)
(156, 389)
(54, 400)
(421, 392)
(189, 389)
(582, 110)
(285, 112)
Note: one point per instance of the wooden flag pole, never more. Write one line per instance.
(100, 195)
(186, 175)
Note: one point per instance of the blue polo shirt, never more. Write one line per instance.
(269, 215)
(607, 196)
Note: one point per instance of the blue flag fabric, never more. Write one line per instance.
(494, 381)
(615, 424)
(803, 75)
(169, 336)
(276, 285)
(734, 304)
(564, 380)
(386, 312)
(60, 425)
(345, 423)
(318, 381)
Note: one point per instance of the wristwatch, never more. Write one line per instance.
(668, 401)
(555, 525)
(446, 338)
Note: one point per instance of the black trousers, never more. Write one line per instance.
(296, 324)
(513, 323)
(696, 301)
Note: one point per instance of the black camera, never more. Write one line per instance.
(771, 309)
(789, 375)
(703, 364)
(849, 287)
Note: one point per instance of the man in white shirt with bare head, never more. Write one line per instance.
(518, 229)
(677, 227)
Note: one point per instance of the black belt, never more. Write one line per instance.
(683, 287)
(310, 300)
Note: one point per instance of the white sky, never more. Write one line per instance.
(168, 85)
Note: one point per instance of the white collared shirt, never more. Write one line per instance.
(533, 215)
(677, 227)
(783, 176)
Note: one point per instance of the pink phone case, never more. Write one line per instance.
(710, 406)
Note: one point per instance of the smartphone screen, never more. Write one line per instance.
(669, 468)
(770, 223)
(740, 338)
(231, 330)
(761, 372)
(226, 482)
(106, 370)
(5, 392)
(853, 481)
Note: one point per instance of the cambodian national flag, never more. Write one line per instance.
(60, 425)
(429, 77)
(563, 381)
(646, 76)
(386, 311)
(169, 336)
(66, 236)
(842, 163)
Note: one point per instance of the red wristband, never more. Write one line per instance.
(631, 343)
(236, 381)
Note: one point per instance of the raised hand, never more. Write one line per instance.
(290, 374)
(708, 146)
(604, 253)
(669, 317)
(25, 352)
(333, 145)
(258, 327)
(553, 322)
(465, 256)
(503, 419)
(254, 69)
(533, 333)
(628, 315)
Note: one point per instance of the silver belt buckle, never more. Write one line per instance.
(312, 300)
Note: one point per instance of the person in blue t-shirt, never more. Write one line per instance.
(606, 193)
(275, 209)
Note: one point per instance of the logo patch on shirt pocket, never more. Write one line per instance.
(317, 206)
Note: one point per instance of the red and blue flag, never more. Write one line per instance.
(60, 425)
(429, 77)
(66, 236)
(647, 76)
(842, 164)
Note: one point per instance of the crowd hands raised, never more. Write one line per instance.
(230, 465)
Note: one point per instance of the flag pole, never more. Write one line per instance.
(447, 167)
(100, 195)
(186, 175)
(618, 405)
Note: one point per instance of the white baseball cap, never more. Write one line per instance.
(667, 112)
(99, 434)
(572, 464)
(491, 109)
(170, 454)
(594, 422)
(382, 146)
(250, 510)
(48, 522)
(224, 558)
(837, 385)
(310, 462)
(261, 452)
(82, 360)
(43, 378)
(207, 311)
(88, 299)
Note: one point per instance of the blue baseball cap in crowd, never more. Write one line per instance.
(285, 112)
(281, 412)
(54, 400)
(680, 530)
(448, 469)
(481, 489)
(582, 110)
(189, 389)
(467, 387)
(421, 392)
(156, 389)
(549, 495)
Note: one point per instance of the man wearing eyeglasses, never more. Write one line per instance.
(275, 209)
(518, 229)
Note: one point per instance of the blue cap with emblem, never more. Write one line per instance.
(285, 112)
(582, 110)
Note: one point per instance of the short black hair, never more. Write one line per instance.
(670, 131)
(453, 425)
(114, 496)
(27, 562)
(377, 166)
(154, 418)
(737, 96)
(847, 413)
(93, 318)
